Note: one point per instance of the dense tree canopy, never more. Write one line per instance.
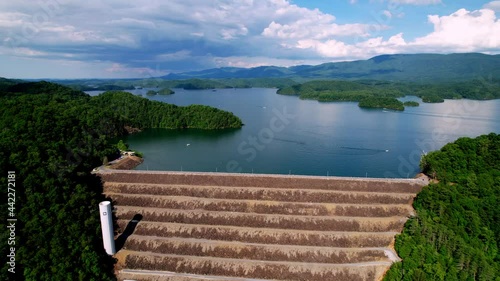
(142, 113)
(321, 90)
(456, 233)
(52, 140)
(382, 102)
(411, 103)
(165, 91)
(52, 137)
(330, 90)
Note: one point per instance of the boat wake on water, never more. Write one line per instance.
(291, 141)
(365, 149)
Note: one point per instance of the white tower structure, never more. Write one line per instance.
(107, 227)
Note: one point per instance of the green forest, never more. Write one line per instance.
(455, 234)
(382, 102)
(189, 84)
(321, 90)
(411, 103)
(164, 91)
(142, 113)
(52, 137)
(356, 91)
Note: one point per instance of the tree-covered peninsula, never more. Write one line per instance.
(51, 137)
(455, 234)
(378, 95)
(142, 113)
(333, 90)
(411, 103)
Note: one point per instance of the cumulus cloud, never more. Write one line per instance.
(317, 30)
(364, 49)
(463, 31)
(139, 37)
(134, 33)
(232, 33)
(293, 22)
(245, 61)
(494, 5)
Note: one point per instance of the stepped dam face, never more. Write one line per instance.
(215, 226)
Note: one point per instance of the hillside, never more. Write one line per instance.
(334, 90)
(142, 113)
(420, 68)
(51, 137)
(455, 234)
(188, 84)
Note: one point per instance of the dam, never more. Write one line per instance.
(218, 226)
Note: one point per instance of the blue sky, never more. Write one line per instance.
(148, 38)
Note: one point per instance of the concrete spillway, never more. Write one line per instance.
(214, 226)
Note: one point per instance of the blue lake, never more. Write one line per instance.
(286, 135)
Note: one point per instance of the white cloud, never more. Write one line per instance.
(293, 22)
(494, 5)
(463, 31)
(232, 33)
(132, 23)
(245, 61)
(417, 2)
(131, 36)
(12, 19)
(150, 25)
(308, 29)
(329, 48)
(341, 51)
(118, 68)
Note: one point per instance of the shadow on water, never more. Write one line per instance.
(129, 230)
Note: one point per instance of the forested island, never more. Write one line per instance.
(52, 136)
(382, 102)
(455, 234)
(165, 91)
(328, 90)
(380, 94)
(432, 98)
(432, 77)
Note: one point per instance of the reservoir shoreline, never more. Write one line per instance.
(316, 141)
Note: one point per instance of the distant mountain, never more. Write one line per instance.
(414, 68)
(234, 72)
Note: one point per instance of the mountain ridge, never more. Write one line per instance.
(390, 67)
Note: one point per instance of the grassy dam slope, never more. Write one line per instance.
(215, 226)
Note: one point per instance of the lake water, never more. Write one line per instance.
(286, 135)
